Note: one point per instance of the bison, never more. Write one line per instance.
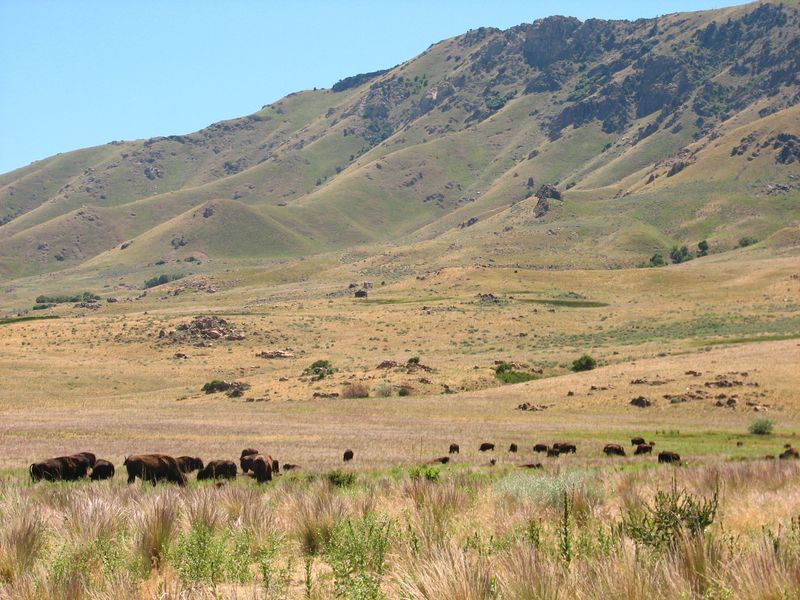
(789, 453)
(512, 448)
(187, 464)
(154, 468)
(669, 457)
(442, 460)
(248, 452)
(102, 469)
(246, 462)
(486, 446)
(290, 467)
(89, 457)
(262, 468)
(614, 450)
(553, 452)
(540, 448)
(643, 449)
(67, 468)
(217, 469)
(276, 466)
(531, 466)
(564, 448)
(637, 441)
(347, 456)
(453, 449)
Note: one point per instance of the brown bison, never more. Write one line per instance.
(262, 468)
(492, 462)
(154, 468)
(217, 469)
(453, 449)
(540, 448)
(290, 467)
(248, 452)
(187, 464)
(347, 456)
(89, 457)
(669, 457)
(531, 466)
(102, 469)
(246, 462)
(637, 441)
(564, 448)
(553, 452)
(643, 449)
(276, 466)
(486, 446)
(613, 450)
(789, 453)
(512, 448)
(442, 460)
(66, 468)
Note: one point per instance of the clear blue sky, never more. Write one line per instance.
(81, 73)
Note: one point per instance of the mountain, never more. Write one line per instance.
(558, 143)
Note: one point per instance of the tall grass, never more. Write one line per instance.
(491, 533)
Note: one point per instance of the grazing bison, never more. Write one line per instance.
(669, 457)
(453, 449)
(486, 446)
(187, 464)
(217, 469)
(66, 468)
(789, 453)
(154, 468)
(564, 448)
(248, 452)
(290, 467)
(89, 457)
(637, 441)
(262, 468)
(614, 450)
(347, 456)
(492, 462)
(246, 462)
(540, 448)
(512, 448)
(442, 460)
(739, 444)
(276, 466)
(643, 449)
(102, 469)
(531, 466)
(553, 452)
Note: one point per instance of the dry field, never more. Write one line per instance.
(712, 344)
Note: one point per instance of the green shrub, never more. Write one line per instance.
(427, 472)
(515, 376)
(356, 553)
(404, 391)
(657, 260)
(702, 248)
(320, 369)
(341, 479)
(762, 426)
(63, 298)
(162, 279)
(42, 306)
(747, 241)
(672, 515)
(215, 385)
(679, 254)
(414, 360)
(584, 363)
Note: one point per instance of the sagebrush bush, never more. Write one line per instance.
(761, 426)
(584, 363)
(355, 390)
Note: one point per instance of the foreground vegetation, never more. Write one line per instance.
(721, 530)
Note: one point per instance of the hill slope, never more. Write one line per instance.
(656, 132)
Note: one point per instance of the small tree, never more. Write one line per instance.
(702, 248)
(584, 363)
(657, 260)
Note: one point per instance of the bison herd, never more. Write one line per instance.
(261, 467)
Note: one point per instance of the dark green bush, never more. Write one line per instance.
(584, 363)
(679, 254)
(762, 426)
(320, 369)
(63, 298)
(657, 260)
(341, 479)
(702, 248)
(161, 280)
(747, 241)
